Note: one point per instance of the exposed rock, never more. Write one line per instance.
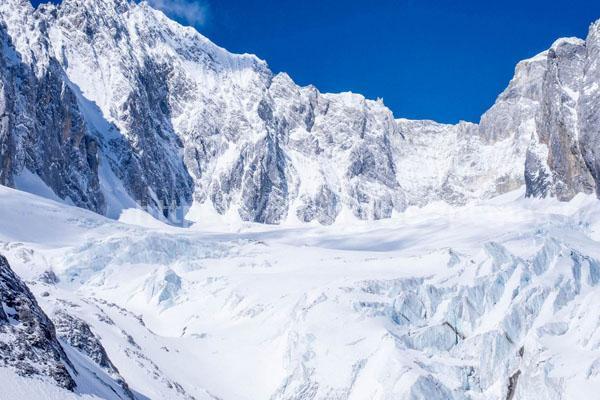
(28, 342)
(116, 105)
(512, 384)
(42, 130)
(555, 164)
(48, 277)
(589, 105)
(79, 335)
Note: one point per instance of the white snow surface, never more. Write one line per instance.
(438, 302)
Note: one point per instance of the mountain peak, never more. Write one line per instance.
(176, 122)
(113, 107)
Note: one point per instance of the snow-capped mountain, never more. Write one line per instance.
(468, 285)
(111, 104)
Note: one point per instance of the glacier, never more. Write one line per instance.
(493, 300)
(179, 222)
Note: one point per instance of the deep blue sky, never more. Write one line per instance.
(443, 60)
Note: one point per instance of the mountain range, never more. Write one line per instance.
(179, 222)
(110, 105)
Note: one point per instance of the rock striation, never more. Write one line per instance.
(28, 341)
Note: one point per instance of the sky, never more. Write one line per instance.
(443, 60)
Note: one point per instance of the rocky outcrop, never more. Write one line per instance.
(78, 334)
(511, 122)
(555, 164)
(51, 130)
(42, 129)
(589, 105)
(28, 341)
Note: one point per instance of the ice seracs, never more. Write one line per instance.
(461, 289)
(487, 301)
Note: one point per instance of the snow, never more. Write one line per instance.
(439, 301)
(253, 311)
(31, 183)
(17, 387)
(568, 40)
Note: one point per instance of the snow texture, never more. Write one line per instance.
(491, 300)
(298, 245)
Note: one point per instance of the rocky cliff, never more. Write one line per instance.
(28, 342)
(112, 105)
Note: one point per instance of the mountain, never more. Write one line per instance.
(32, 346)
(487, 289)
(108, 105)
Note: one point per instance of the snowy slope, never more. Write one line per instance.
(439, 303)
(337, 252)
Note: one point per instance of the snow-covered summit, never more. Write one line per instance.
(154, 115)
(108, 105)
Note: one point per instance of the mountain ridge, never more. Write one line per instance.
(168, 121)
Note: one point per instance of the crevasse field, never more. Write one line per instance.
(435, 303)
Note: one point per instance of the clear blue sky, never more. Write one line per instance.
(443, 60)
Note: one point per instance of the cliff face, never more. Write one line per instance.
(42, 128)
(111, 104)
(555, 164)
(28, 342)
(589, 105)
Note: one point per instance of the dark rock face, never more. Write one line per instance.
(7, 145)
(264, 183)
(560, 171)
(323, 207)
(43, 130)
(144, 152)
(259, 178)
(28, 341)
(512, 385)
(61, 131)
(79, 335)
(589, 105)
(563, 157)
(149, 162)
